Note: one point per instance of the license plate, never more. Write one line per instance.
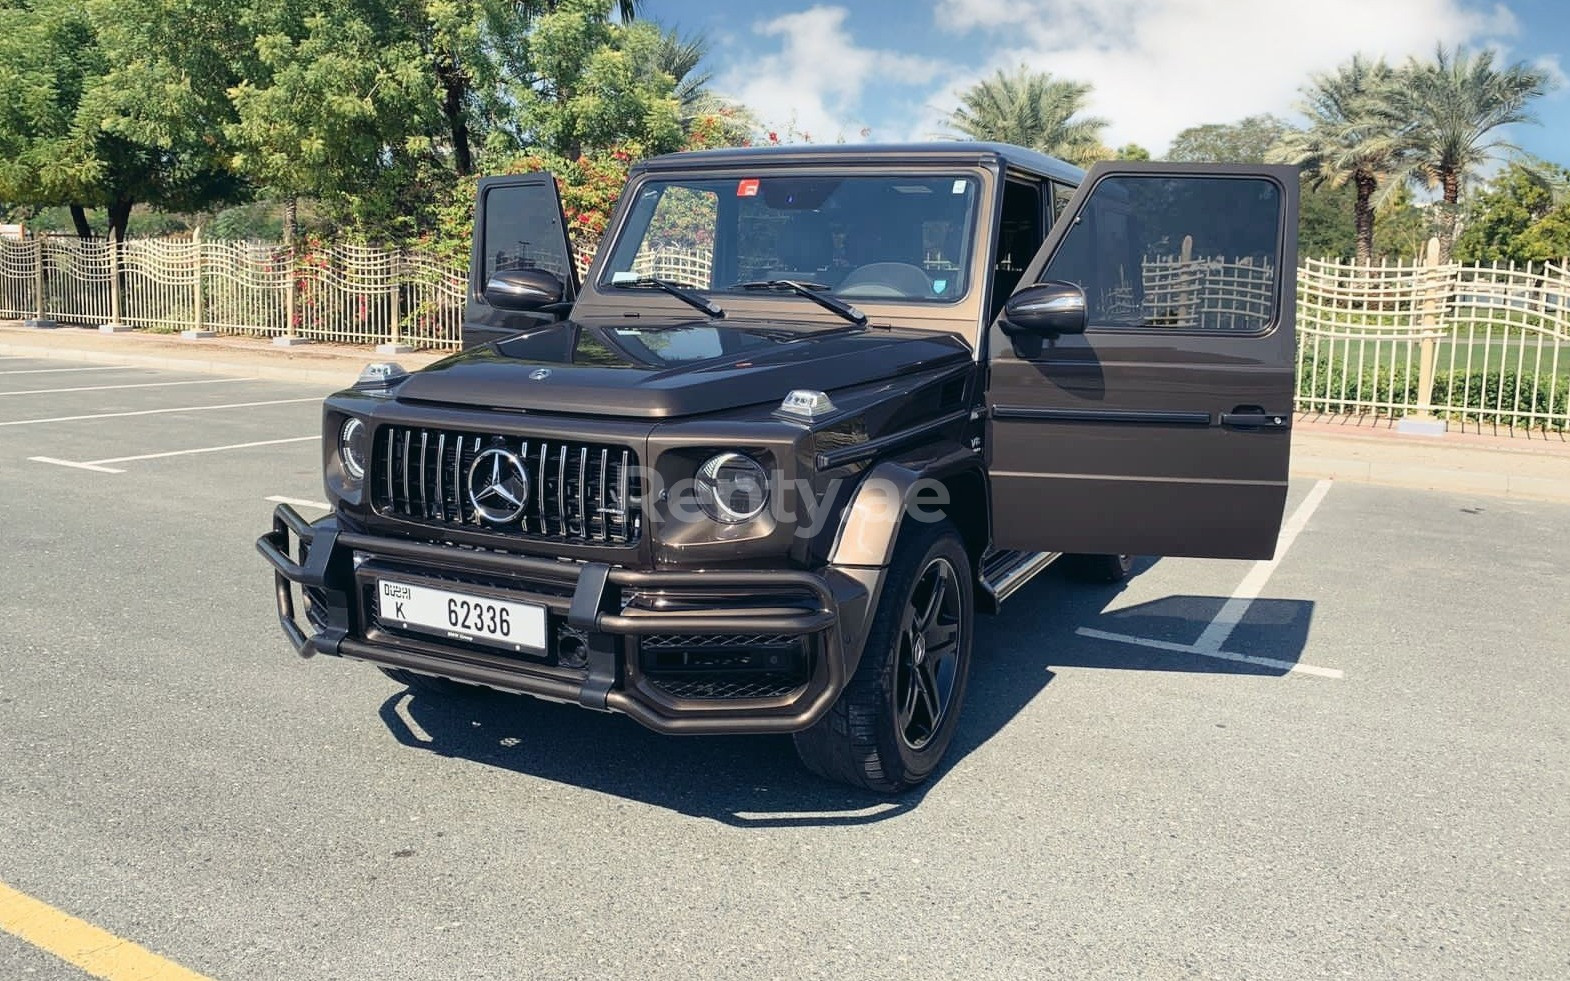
(461, 616)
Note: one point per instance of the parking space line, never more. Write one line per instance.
(1219, 630)
(79, 943)
(154, 412)
(1294, 667)
(111, 388)
(203, 449)
(50, 371)
(1236, 607)
(74, 463)
(300, 502)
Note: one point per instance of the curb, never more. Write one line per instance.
(1394, 473)
(337, 370)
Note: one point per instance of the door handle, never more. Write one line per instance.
(1254, 417)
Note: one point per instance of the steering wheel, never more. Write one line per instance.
(896, 279)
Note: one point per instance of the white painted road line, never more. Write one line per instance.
(1235, 608)
(154, 412)
(203, 449)
(1274, 664)
(50, 371)
(73, 463)
(1232, 612)
(300, 502)
(98, 465)
(110, 388)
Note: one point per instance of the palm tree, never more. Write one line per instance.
(680, 58)
(1350, 137)
(1453, 108)
(1031, 109)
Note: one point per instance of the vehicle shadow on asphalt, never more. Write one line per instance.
(757, 782)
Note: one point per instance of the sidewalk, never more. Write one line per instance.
(1535, 466)
(336, 365)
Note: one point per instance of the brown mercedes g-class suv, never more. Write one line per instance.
(810, 410)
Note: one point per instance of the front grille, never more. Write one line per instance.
(576, 492)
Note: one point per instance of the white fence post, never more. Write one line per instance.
(197, 331)
(40, 288)
(395, 343)
(1422, 421)
(116, 322)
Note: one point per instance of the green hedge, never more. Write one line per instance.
(1474, 393)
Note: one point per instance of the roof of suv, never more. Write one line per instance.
(941, 151)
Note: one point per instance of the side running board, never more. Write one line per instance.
(1004, 573)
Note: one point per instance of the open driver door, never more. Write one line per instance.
(1141, 378)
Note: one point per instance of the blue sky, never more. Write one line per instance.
(889, 70)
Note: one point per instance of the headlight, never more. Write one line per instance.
(352, 447)
(732, 488)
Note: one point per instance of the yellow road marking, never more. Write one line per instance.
(98, 952)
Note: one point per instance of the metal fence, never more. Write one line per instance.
(1477, 346)
(342, 293)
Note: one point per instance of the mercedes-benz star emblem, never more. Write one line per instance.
(539, 374)
(498, 485)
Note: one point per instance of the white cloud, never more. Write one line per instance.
(1159, 66)
(817, 78)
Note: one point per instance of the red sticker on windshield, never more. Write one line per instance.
(747, 188)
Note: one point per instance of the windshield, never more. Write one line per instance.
(871, 238)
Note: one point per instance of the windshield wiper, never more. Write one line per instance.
(684, 295)
(811, 291)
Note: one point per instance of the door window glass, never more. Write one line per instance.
(523, 231)
(1187, 253)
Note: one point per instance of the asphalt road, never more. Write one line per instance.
(172, 773)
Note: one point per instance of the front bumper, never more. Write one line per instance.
(620, 624)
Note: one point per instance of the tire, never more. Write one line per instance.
(894, 721)
(1100, 568)
(429, 684)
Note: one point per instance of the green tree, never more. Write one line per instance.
(118, 102)
(592, 84)
(1248, 140)
(48, 54)
(1350, 138)
(1452, 110)
(1131, 151)
(1403, 229)
(1325, 229)
(722, 121)
(1031, 109)
(1515, 218)
(337, 97)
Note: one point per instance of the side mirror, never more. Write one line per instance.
(523, 289)
(1045, 309)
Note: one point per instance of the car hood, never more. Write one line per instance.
(673, 368)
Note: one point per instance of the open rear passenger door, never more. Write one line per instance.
(520, 257)
(1156, 418)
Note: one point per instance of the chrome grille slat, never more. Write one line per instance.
(583, 480)
(605, 520)
(441, 496)
(584, 492)
(561, 489)
(545, 528)
(425, 440)
(408, 434)
(621, 498)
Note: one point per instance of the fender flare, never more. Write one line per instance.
(891, 490)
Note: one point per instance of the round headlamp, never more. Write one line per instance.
(353, 447)
(732, 488)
